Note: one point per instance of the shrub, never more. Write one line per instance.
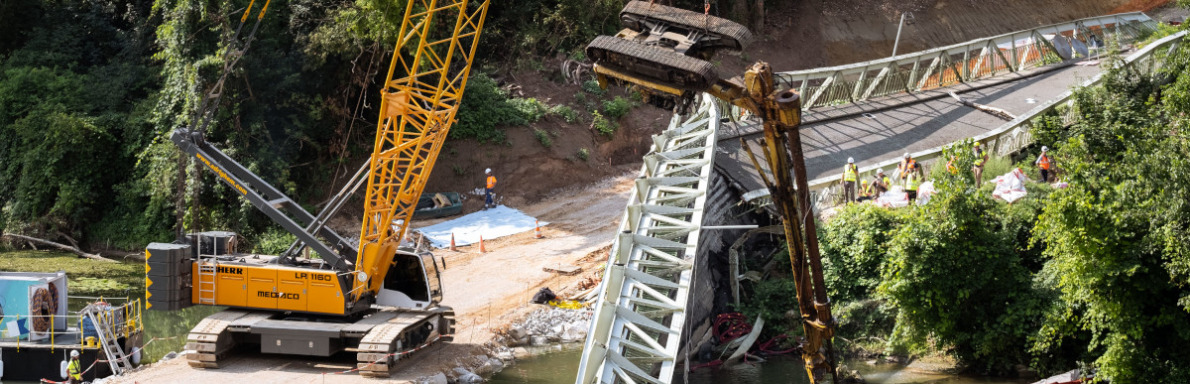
(485, 110)
(617, 107)
(770, 300)
(948, 255)
(854, 246)
(543, 137)
(531, 109)
(592, 87)
(583, 154)
(865, 320)
(603, 125)
(564, 111)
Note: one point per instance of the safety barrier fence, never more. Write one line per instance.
(964, 62)
(1016, 134)
(638, 324)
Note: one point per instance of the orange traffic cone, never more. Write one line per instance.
(452, 242)
(481, 248)
(537, 231)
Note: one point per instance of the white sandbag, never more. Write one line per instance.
(894, 198)
(924, 192)
(1010, 186)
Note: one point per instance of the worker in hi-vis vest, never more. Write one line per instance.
(850, 174)
(906, 166)
(74, 371)
(880, 182)
(912, 181)
(981, 158)
(1045, 163)
(490, 191)
(866, 190)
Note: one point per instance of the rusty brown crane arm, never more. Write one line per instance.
(663, 51)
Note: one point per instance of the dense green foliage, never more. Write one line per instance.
(854, 248)
(76, 100)
(1117, 238)
(953, 253)
(90, 90)
(770, 299)
(1097, 273)
(492, 111)
(903, 274)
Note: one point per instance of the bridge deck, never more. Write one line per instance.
(882, 129)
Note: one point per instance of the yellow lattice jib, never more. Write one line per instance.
(418, 104)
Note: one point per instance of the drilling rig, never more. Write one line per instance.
(375, 296)
(663, 52)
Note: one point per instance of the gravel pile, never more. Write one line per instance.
(551, 325)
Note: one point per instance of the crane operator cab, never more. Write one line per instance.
(413, 281)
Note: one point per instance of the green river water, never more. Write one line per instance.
(560, 367)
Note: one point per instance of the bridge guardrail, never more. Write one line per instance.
(963, 62)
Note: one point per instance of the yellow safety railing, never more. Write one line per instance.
(129, 323)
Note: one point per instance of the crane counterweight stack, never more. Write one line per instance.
(375, 297)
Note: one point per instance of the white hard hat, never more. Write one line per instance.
(879, 170)
(489, 170)
(906, 155)
(850, 160)
(1044, 148)
(74, 354)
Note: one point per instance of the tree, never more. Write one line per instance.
(1117, 236)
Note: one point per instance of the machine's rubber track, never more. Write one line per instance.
(737, 36)
(651, 63)
(211, 338)
(404, 333)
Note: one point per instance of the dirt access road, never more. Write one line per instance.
(488, 291)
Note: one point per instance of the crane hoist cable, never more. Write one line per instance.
(231, 56)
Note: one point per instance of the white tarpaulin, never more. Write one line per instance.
(1010, 186)
(496, 222)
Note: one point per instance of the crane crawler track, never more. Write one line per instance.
(657, 65)
(212, 338)
(721, 34)
(398, 333)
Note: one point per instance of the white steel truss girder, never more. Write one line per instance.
(641, 311)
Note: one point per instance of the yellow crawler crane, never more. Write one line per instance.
(374, 297)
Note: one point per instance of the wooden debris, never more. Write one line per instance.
(63, 247)
(565, 270)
